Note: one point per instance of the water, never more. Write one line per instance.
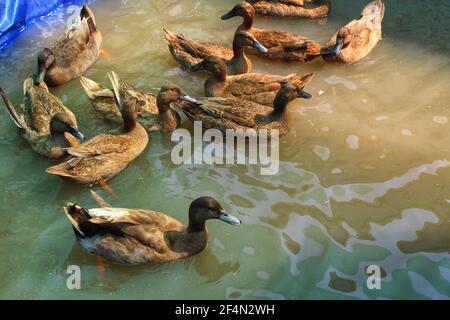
(363, 179)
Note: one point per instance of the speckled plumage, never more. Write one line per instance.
(188, 52)
(244, 116)
(36, 113)
(104, 156)
(138, 236)
(360, 36)
(281, 45)
(290, 8)
(148, 113)
(257, 87)
(75, 51)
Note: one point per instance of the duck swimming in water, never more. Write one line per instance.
(357, 39)
(44, 121)
(73, 53)
(138, 236)
(257, 87)
(290, 8)
(154, 112)
(281, 45)
(247, 117)
(188, 52)
(104, 156)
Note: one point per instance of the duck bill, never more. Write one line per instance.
(77, 134)
(225, 217)
(336, 49)
(187, 98)
(258, 46)
(305, 95)
(228, 15)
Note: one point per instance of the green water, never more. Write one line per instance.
(363, 177)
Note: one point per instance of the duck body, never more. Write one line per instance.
(153, 111)
(137, 236)
(104, 156)
(244, 116)
(281, 45)
(357, 39)
(290, 8)
(188, 52)
(44, 121)
(104, 103)
(260, 88)
(75, 51)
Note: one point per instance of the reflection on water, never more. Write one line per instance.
(363, 175)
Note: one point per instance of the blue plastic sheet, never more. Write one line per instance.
(16, 14)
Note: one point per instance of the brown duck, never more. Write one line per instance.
(104, 156)
(290, 8)
(73, 53)
(357, 39)
(47, 125)
(188, 52)
(138, 236)
(247, 117)
(154, 112)
(281, 45)
(257, 87)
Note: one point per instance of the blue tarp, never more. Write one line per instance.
(16, 14)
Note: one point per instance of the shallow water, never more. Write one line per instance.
(363, 178)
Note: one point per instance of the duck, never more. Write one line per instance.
(154, 112)
(246, 117)
(257, 87)
(281, 45)
(188, 52)
(102, 157)
(290, 8)
(44, 121)
(73, 53)
(356, 40)
(144, 237)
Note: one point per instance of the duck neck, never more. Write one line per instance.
(238, 50)
(167, 116)
(196, 226)
(279, 104)
(129, 122)
(59, 139)
(247, 23)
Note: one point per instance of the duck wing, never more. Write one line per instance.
(40, 106)
(188, 52)
(226, 113)
(104, 103)
(102, 145)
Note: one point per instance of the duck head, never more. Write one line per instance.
(291, 90)
(170, 93)
(61, 123)
(343, 38)
(45, 59)
(207, 208)
(214, 65)
(246, 39)
(242, 9)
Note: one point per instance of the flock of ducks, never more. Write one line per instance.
(234, 99)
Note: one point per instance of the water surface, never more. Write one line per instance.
(363, 178)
